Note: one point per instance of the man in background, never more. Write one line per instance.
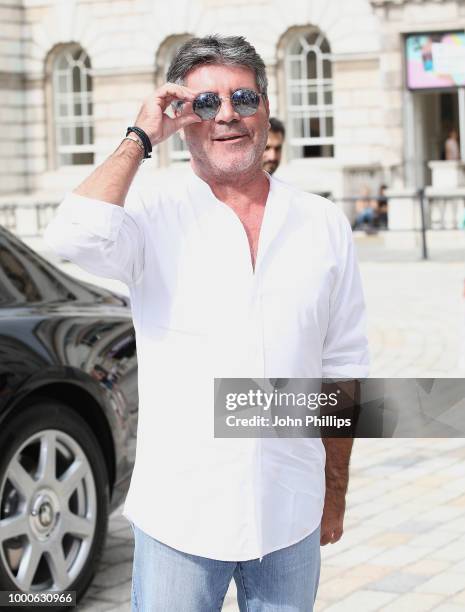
(452, 146)
(274, 146)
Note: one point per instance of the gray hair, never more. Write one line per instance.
(216, 49)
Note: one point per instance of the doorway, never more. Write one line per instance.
(435, 113)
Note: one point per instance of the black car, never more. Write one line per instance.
(68, 420)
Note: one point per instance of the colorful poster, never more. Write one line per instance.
(435, 60)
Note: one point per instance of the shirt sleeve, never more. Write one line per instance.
(102, 238)
(345, 348)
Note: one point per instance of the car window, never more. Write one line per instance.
(24, 279)
(17, 278)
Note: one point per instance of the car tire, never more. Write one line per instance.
(50, 508)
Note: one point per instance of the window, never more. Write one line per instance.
(177, 148)
(174, 148)
(309, 88)
(25, 278)
(72, 106)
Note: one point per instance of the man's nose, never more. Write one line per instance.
(272, 154)
(226, 112)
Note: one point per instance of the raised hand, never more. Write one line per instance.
(153, 119)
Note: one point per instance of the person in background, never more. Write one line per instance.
(274, 146)
(382, 217)
(366, 208)
(451, 146)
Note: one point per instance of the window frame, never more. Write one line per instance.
(165, 53)
(321, 85)
(68, 99)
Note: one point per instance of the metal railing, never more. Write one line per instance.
(27, 220)
(438, 212)
(434, 212)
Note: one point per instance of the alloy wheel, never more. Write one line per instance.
(48, 512)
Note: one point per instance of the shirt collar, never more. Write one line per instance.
(276, 210)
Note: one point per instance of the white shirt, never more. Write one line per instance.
(200, 311)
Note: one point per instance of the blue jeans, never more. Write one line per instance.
(367, 215)
(167, 580)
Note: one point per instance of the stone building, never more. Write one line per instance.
(73, 74)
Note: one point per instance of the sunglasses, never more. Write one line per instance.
(206, 105)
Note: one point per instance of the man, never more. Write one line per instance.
(366, 209)
(274, 146)
(452, 146)
(232, 273)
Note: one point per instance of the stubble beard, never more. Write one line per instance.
(241, 164)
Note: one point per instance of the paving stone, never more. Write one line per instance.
(442, 513)
(446, 583)
(431, 481)
(363, 600)
(116, 541)
(459, 598)
(337, 588)
(459, 501)
(230, 601)
(328, 572)
(458, 567)
(451, 552)
(437, 538)
(399, 556)
(93, 605)
(428, 567)
(369, 571)
(359, 533)
(118, 594)
(457, 525)
(397, 582)
(413, 602)
(122, 531)
(113, 575)
(117, 520)
(389, 539)
(320, 605)
(357, 554)
(118, 554)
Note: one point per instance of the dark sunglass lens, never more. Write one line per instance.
(206, 105)
(245, 101)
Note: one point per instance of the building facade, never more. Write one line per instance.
(73, 74)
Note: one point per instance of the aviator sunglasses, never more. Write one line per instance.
(206, 105)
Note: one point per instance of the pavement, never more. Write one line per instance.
(403, 548)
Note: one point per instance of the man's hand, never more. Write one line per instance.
(111, 180)
(157, 124)
(338, 452)
(333, 517)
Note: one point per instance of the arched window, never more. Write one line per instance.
(174, 148)
(72, 107)
(178, 150)
(309, 87)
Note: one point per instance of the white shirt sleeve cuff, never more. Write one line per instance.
(95, 216)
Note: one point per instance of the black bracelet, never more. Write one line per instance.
(145, 140)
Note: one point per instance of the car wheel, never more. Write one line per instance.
(54, 500)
